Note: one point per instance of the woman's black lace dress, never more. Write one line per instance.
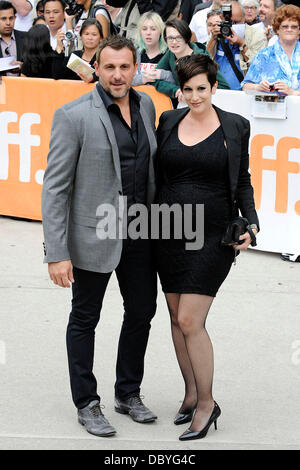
(196, 174)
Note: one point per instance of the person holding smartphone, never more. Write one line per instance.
(278, 66)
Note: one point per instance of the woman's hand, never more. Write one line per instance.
(247, 240)
(264, 85)
(283, 88)
(151, 76)
(85, 78)
(179, 95)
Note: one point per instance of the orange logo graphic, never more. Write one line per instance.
(281, 165)
(27, 106)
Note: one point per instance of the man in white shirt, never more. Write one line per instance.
(23, 16)
(266, 13)
(54, 13)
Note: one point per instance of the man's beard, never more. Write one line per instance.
(110, 92)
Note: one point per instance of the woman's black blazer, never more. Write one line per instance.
(236, 130)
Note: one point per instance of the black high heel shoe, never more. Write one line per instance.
(189, 435)
(185, 417)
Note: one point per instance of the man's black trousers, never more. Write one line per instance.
(138, 285)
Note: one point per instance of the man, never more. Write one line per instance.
(132, 10)
(101, 152)
(54, 13)
(266, 13)
(11, 40)
(198, 22)
(235, 53)
(23, 16)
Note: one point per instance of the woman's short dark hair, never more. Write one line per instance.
(91, 22)
(182, 28)
(189, 66)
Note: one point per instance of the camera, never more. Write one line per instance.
(73, 8)
(225, 26)
(69, 35)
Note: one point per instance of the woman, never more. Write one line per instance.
(177, 35)
(37, 53)
(91, 36)
(39, 20)
(89, 9)
(278, 66)
(203, 159)
(151, 47)
(251, 11)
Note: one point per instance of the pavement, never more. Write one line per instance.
(254, 325)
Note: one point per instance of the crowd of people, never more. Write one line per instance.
(255, 43)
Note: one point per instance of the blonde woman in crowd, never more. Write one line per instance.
(151, 48)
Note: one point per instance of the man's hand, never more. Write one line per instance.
(268, 32)
(235, 39)
(60, 47)
(215, 31)
(61, 273)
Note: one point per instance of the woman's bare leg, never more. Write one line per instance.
(192, 313)
(190, 398)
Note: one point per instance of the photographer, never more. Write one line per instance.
(234, 44)
(54, 13)
(80, 10)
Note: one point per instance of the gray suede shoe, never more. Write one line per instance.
(134, 407)
(94, 421)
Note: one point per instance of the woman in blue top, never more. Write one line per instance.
(278, 65)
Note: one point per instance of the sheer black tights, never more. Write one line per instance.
(194, 353)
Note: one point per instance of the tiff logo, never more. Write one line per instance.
(2, 353)
(281, 165)
(24, 139)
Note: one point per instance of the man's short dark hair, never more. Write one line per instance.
(116, 42)
(189, 66)
(62, 2)
(7, 6)
(182, 28)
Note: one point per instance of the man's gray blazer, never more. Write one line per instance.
(83, 171)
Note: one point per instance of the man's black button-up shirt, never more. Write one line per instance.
(133, 145)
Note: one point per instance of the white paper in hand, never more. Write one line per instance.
(79, 65)
(5, 64)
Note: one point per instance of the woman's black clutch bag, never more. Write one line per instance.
(237, 227)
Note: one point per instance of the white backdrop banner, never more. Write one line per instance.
(275, 168)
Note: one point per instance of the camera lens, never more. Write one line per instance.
(225, 31)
